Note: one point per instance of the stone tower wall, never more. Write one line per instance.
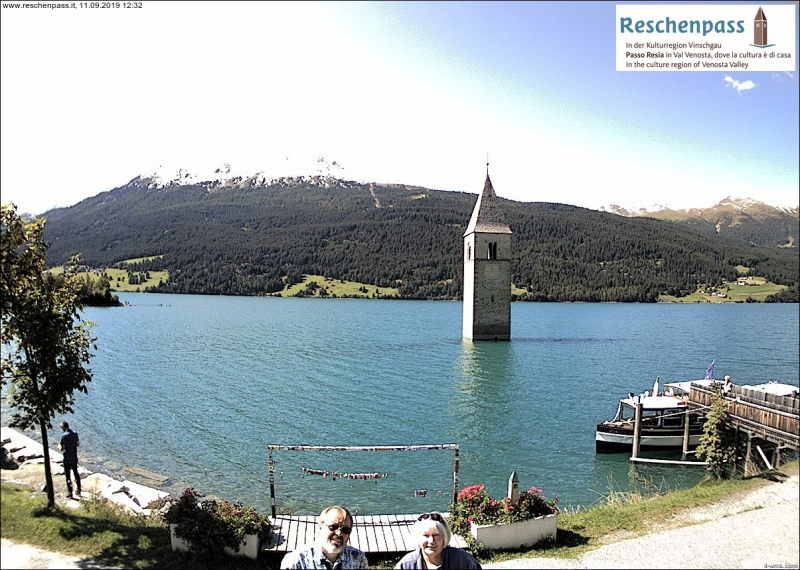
(487, 287)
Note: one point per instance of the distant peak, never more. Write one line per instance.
(727, 203)
(633, 211)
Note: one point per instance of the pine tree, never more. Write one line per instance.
(718, 442)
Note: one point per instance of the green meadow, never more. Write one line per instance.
(120, 279)
(321, 286)
(124, 277)
(746, 289)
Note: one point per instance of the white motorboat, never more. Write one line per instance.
(663, 416)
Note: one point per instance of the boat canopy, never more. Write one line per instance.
(654, 402)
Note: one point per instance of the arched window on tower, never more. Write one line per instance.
(469, 252)
(492, 250)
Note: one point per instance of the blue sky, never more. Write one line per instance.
(407, 92)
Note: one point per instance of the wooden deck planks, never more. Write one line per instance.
(309, 530)
(372, 533)
(358, 539)
(388, 533)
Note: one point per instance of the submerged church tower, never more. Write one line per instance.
(487, 270)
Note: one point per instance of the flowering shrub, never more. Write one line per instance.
(241, 520)
(211, 525)
(474, 505)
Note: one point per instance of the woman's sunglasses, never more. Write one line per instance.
(432, 516)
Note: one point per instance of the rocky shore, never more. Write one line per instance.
(28, 455)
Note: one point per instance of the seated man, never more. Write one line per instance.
(330, 551)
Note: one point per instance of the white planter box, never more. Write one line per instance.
(248, 548)
(516, 535)
(178, 544)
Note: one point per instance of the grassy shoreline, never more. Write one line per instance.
(114, 538)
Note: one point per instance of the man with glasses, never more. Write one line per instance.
(330, 552)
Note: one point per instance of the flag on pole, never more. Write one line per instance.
(710, 370)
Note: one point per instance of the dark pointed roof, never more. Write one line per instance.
(488, 215)
(760, 15)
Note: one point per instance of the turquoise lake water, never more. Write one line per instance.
(196, 387)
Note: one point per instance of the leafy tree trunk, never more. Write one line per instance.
(48, 472)
(47, 347)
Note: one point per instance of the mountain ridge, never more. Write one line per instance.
(728, 201)
(252, 235)
(745, 219)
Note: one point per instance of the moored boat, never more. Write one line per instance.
(663, 416)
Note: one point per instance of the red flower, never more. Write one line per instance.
(470, 492)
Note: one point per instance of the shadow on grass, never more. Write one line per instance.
(569, 539)
(774, 476)
(132, 544)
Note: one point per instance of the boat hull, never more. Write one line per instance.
(612, 439)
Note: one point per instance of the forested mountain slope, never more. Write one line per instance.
(246, 238)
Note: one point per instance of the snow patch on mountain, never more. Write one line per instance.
(632, 210)
(728, 203)
(165, 176)
(227, 176)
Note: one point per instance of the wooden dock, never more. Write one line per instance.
(758, 414)
(371, 533)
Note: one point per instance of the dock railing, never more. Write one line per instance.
(775, 418)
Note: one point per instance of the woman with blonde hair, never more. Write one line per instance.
(432, 535)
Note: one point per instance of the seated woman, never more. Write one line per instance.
(432, 535)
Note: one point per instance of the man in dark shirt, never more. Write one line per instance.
(69, 447)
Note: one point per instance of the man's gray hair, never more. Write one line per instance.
(339, 509)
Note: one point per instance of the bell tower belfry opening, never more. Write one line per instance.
(487, 270)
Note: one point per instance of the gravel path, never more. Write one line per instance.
(757, 529)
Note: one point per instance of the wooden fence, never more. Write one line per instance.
(775, 418)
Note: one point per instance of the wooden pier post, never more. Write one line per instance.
(637, 429)
(685, 450)
(748, 454)
(271, 469)
(455, 474)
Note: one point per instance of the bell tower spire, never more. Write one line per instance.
(487, 269)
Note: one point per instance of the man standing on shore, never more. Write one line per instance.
(69, 447)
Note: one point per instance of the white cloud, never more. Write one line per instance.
(739, 85)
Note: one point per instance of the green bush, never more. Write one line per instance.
(211, 525)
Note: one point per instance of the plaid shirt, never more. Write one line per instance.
(312, 557)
